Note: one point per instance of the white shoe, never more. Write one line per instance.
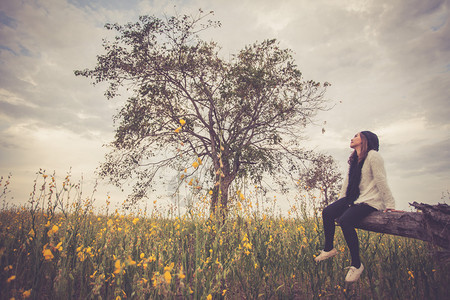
(325, 255)
(354, 273)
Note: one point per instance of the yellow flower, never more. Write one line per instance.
(59, 247)
(209, 297)
(47, 253)
(181, 275)
(142, 255)
(135, 220)
(178, 129)
(182, 122)
(110, 222)
(167, 271)
(131, 262)
(195, 164)
(199, 160)
(118, 267)
(55, 228)
(7, 268)
(167, 277)
(26, 294)
(11, 278)
(223, 292)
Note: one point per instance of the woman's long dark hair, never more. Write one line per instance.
(354, 173)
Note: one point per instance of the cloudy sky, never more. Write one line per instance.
(388, 62)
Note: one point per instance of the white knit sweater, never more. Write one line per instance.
(373, 188)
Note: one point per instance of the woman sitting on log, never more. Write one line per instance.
(366, 190)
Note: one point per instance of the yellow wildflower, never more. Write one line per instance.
(167, 277)
(118, 267)
(59, 246)
(110, 222)
(195, 164)
(182, 122)
(178, 129)
(135, 220)
(131, 262)
(209, 297)
(47, 253)
(26, 294)
(11, 278)
(7, 268)
(181, 275)
(142, 255)
(199, 160)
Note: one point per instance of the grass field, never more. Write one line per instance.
(57, 247)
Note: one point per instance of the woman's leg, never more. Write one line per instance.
(329, 214)
(348, 221)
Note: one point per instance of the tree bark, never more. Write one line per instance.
(430, 224)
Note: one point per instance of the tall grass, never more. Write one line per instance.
(57, 247)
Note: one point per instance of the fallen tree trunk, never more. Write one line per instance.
(430, 224)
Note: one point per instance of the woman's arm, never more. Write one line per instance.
(343, 192)
(379, 174)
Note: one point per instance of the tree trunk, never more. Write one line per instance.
(431, 224)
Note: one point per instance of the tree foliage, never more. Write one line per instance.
(195, 112)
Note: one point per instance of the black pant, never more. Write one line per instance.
(348, 216)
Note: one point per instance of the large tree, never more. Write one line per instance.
(194, 111)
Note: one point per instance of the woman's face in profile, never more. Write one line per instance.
(356, 141)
